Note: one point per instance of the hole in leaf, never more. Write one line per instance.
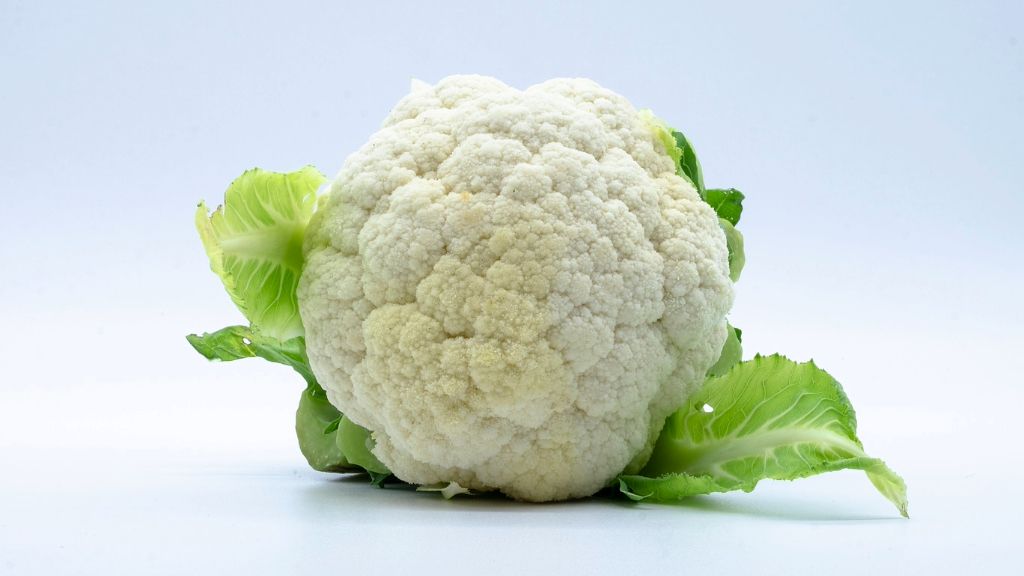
(707, 408)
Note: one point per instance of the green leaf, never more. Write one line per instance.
(689, 166)
(314, 415)
(728, 203)
(356, 443)
(333, 426)
(732, 353)
(734, 242)
(768, 417)
(254, 242)
(674, 487)
(236, 342)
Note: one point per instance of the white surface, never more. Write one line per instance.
(270, 516)
(879, 146)
(266, 516)
(209, 482)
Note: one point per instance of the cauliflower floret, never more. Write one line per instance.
(513, 289)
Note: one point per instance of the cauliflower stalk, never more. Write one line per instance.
(508, 290)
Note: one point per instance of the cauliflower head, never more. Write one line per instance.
(512, 289)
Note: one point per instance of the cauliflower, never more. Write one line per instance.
(513, 289)
(502, 290)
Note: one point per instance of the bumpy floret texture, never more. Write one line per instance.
(513, 289)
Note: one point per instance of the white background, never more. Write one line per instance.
(880, 150)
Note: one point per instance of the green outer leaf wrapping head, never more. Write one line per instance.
(320, 445)
(237, 342)
(254, 242)
(737, 255)
(727, 202)
(768, 417)
(689, 165)
(732, 353)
